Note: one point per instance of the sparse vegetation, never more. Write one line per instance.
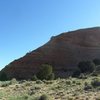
(59, 89)
(42, 86)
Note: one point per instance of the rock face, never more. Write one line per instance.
(63, 52)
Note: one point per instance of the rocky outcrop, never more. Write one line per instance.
(63, 52)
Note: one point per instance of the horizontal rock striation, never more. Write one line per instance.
(63, 52)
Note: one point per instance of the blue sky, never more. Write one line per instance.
(28, 24)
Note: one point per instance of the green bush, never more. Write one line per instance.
(45, 72)
(97, 71)
(25, 97)
(87, 87)
(82, 76)
(96, 61)
(44, 97)
(51, 76)
(86, 66)
(76, 73)
(68, 82)
(39, 82)
(13, 81)
(95, 83)
(5, 84)
(3, 77)
(94, 74)
(34, 78)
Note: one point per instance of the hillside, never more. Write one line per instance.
(63, 52)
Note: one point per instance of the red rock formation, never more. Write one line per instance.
(63, 52)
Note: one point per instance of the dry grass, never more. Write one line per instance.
(59, 89)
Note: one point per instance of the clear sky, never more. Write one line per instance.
(28, 24)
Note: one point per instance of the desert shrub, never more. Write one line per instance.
(98, 68)
(37, 88)
(51, 76)
(95, 83)
(5, 84)
(76, 73)
(78, 83)
(87, 86)
(31, 92)
(94, 74)
(44, 72)
(39, 82)
(86, 66)
(73, 81)
(68, 82)
(3, 77)
(86, 83)
(48, 82)
(82, 76)
(97, 71)
(13, 81)
(22, 81)
(27, 83)
(70, 98)
(34, 78)
(97, 98)
(96, 61)
(44, 97)
(25, 97)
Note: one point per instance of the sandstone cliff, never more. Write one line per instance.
(63, 52)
